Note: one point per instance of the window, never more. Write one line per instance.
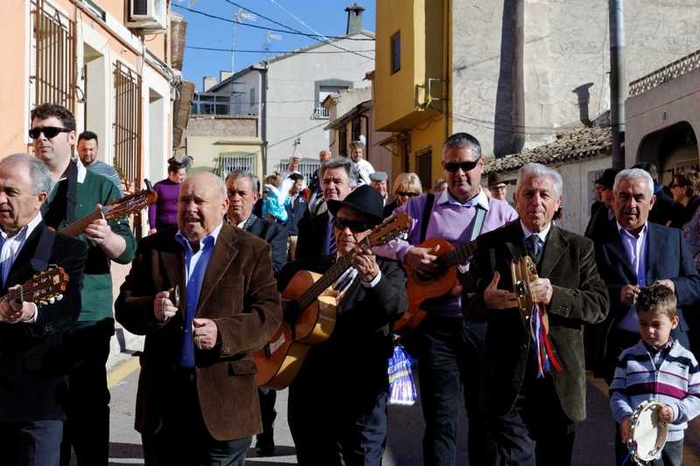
(307, 167)
(424, 162)
(127, 124)
(54, 71)
(356, 128)
(395, 52)
(252, 97)
(235, 161)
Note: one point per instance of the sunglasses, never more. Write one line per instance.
(352, 225)
(49, 131)
(452, 167)
(405, 194)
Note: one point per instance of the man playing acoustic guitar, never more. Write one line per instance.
(338, 401)
(447, 349)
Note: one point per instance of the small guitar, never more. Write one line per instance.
(280, 360)
(114, 210)
(43, 288)
(420, 288)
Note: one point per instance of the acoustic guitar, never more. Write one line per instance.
(420, 288)
(280, 360)
(114, 210)
(43, 288)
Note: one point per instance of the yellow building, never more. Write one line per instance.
(409, 83)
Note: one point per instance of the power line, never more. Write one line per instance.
(295, 52)
(255, 26)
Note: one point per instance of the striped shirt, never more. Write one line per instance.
(669, 375)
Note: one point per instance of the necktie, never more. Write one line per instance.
(533, 246)
(331, 246)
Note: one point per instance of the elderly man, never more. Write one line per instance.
(242, 194)
(449, 350)
(296, 209)
(377, 180)
(347, 374)
(76, 194)
(637, 252)
(533, 400)
(315, 184)
(31, 383)
(498, 186)
(316, 231)
(197, 400)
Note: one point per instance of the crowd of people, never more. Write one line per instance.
(205, 289)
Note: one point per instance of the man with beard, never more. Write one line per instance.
(448, 349)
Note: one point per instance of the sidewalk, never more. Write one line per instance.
(124, 344)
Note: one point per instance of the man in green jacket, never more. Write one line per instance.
(76, 194)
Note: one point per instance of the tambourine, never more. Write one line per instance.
(648, 433)
(524, 272)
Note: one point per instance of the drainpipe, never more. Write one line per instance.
(618, 81)
(263, 118)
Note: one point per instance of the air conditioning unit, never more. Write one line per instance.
(148, 14)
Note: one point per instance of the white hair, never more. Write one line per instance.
(634, 174)
(539, 170)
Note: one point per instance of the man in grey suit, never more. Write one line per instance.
(532, 409)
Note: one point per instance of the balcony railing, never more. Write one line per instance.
(321, 113)
(671, 71)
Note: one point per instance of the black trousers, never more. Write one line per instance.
(183, 438)
(87, 425)
(535, 431)
(449, 353)
(338, 420)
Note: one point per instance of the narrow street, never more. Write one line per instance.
(593, 441)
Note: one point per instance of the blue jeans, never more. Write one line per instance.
(449, 353)
(34, 443)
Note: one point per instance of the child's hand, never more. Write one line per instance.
(666, 414)
(625, 430)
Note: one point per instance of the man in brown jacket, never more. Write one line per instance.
(205, 297)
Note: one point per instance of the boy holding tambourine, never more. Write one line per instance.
(657, 368)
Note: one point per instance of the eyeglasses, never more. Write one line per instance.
(352, 225)
(452, 167)
(405, 194)
(49, 131)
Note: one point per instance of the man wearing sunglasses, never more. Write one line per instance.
(447, 348)
(347, 374)
(76, 193)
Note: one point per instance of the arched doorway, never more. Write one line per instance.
(671, 149)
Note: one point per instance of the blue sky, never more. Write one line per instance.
(327, 17)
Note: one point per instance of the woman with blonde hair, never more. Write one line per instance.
(405, 186)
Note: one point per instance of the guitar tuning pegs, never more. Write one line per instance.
(52, 300)
(59, 297)
(41, 303)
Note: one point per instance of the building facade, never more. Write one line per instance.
(519, 72)
(105, 61)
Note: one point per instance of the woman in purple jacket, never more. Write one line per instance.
(163, 213)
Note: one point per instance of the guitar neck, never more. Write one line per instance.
(23, 293)
(457, 256)
(326, 280)
(76, 228)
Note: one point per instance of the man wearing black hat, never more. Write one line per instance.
(338, 401)
(498, 186)
(603, 216)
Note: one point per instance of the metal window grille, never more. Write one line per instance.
(127, 124)
(55, 61)
(307, 167)
(236, 161)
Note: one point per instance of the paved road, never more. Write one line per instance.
(593, 441)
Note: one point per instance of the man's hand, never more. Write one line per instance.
(666, 414)
(163, 307)
(422, 260)
(542, 290)
(625, 430)
(152, 231)
(667, 283)
(205, 333)
(13, 311)
(498, 299)
(99, 231)
(366, 264)
(628, 294)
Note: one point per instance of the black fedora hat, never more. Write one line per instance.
(364, 199)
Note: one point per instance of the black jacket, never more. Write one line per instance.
(32, 375)
(312, 235)
(276, 236)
